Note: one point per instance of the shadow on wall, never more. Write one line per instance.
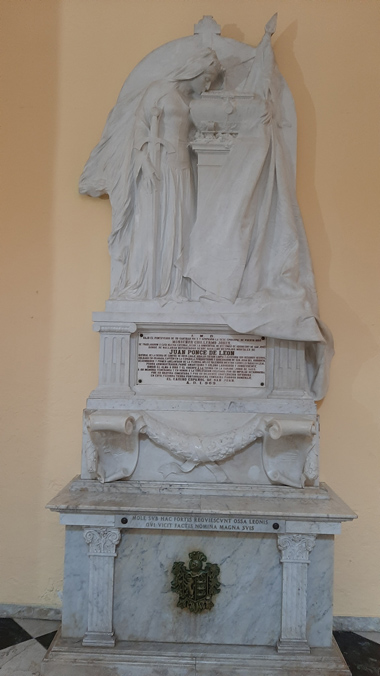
(29, 119)
(348, 411)
(231, 30)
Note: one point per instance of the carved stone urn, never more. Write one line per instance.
(226, 111)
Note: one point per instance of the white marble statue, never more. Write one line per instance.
(232, 237)
(153, 190)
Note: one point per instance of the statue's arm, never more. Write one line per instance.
(143, 136)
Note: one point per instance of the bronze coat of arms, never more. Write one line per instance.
(195, 585)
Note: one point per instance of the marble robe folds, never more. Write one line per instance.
(248, 244)
(252, 251)
(245, 256)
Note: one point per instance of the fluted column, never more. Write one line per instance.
(114, 357)
(102, 544)
(295, 550)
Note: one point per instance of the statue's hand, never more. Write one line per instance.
(149, 175)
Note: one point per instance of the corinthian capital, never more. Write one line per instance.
(102, 541)
(295, 548)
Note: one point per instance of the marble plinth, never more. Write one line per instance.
(274, 547)
(181, 394)
(69, 658)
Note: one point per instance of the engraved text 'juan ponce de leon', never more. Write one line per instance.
(201, 359)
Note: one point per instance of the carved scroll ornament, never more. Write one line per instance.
(289, 456)
(289, 451)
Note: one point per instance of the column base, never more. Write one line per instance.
(66, 657)
(99, 639)
(293, 646)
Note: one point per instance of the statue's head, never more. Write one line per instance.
(203, 82)
(202, 70)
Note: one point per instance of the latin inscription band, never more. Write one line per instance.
(206, 523)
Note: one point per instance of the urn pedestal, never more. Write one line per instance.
(272, 615)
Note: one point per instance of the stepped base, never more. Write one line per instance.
(69, 658)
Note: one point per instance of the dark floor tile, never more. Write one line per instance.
(46, 639)
(11, 633)
(361, 654)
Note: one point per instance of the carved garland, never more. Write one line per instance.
(194, 449)
(203, 449)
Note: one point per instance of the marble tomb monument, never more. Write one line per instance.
(199, 538)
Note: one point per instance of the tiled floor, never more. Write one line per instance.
(23, 644)
(361, 651)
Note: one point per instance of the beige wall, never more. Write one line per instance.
(64, 63)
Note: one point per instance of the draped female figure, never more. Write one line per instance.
(152, 185)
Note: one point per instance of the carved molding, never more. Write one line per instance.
(102, 541)
(127, 329)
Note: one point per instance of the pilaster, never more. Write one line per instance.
(290, 372)
(102, 544)
(114, 358)
(295, 550)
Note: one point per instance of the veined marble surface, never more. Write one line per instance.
(145, 607)
(146, 599)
